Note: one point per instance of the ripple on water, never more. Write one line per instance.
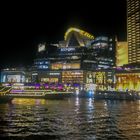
(70, 119)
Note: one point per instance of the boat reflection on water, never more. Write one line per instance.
(26, 101)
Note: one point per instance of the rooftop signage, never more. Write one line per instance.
(67, 49)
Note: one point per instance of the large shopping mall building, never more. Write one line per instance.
(81, 58)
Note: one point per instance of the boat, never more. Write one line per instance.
(58, 95)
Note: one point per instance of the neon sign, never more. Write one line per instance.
(67, 49)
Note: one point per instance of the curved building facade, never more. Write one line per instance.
(77, 37)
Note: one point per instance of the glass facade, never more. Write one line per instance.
(42, 64)
(12, 76)
(121, 53)
(101, 53)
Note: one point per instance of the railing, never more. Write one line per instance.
(25, 95)
(6, 91)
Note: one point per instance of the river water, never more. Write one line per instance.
(73, 118)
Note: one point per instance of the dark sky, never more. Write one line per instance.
(24, 25)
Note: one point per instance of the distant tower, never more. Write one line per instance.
(133, 30)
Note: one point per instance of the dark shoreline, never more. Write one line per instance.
(111, 95)
(116, 95)
(5, 99)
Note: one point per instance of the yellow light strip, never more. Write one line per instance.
(86, 34)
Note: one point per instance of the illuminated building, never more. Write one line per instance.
(133, 30)
(80, 60)
(49, 76)
(121, 53)
(101, 53)
(103, 79)
(72, 76)
(68, 61)
(128, 80)
(42, 64)
(77, 37)
(79, 52)
(13, 75)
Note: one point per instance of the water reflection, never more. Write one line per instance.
(77, 102)
(90, 103)
(25, 101)
(73, 118)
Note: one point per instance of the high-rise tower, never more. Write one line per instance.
(133, 30)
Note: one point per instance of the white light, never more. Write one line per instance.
(77, 92)
(67, 49)
(34, 74)
(90, 92)
(41, 47)
(54, 73)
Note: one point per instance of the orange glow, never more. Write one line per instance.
(99, 79)
(130, 81)
(79, 31)
(50, 80)
(81, 36)
(72, 77)
(57, 66)
(24, 101)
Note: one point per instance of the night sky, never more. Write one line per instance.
(24, 25)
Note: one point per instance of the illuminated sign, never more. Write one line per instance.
(54, 73)
(67, 49)
(34, 73)
(41, 47)
(43, 67)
